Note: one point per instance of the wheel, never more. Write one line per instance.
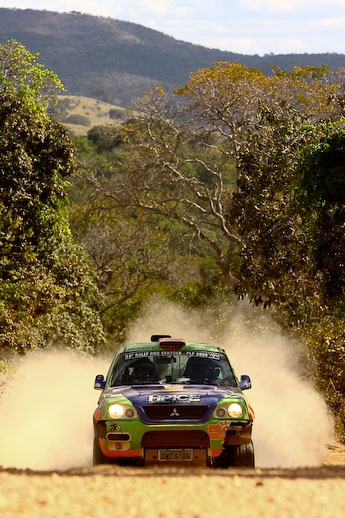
(241, 456)
(98, 457)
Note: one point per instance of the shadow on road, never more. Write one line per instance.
(320, 472)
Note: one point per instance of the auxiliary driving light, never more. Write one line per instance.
(129, 412)
(220, 412)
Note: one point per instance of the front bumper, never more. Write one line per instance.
(132, 438)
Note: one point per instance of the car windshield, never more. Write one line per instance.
(173, 367)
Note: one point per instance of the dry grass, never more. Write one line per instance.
(95, 111)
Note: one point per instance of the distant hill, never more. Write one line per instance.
(115, 61)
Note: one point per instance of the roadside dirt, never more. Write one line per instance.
(96, 492)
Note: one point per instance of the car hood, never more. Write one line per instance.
(140, 393)
(142, 396)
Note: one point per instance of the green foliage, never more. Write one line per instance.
(321, 200)
(104, 138)
(35, 155)
(272, 266)
(42, 273)
(323, 169)
(20, 73)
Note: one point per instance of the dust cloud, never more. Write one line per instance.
(46, 412)
(47, 409)
(292, 425)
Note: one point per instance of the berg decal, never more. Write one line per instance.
(174, 398)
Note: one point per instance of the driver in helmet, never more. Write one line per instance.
(144, 371)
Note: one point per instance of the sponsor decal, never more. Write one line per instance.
(197, 354)
(173, 388)
(174, 398)
(218, 431)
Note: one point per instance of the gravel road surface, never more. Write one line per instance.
(113, 491)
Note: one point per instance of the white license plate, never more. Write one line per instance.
(175, 455)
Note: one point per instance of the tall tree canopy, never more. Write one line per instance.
(218, 157)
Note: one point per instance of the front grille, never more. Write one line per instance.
(175, 412)
(175, 439)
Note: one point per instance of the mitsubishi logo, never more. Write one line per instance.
(175, 413)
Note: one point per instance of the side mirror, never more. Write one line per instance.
(245, 382)
(99, 382)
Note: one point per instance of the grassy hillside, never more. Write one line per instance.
(81, 113)
(117, 61)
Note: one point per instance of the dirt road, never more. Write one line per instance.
(103, 491)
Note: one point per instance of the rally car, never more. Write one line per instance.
(170, 401)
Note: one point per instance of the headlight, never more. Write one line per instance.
(116, 411)
(235, 410)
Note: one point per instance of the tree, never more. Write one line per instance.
(28, 80)
(131, 254)
(42, 272)
(322, 206)
(194, 156)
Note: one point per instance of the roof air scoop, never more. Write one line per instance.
(171, 343)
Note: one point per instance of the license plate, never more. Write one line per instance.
(175, 455)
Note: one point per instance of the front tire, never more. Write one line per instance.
(241, 456)
(98, 456)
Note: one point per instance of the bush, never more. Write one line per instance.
(78, 119)
(115, 114)
(104, 138)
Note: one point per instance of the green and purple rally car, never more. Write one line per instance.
(170, 401)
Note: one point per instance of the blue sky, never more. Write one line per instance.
(244, 26)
